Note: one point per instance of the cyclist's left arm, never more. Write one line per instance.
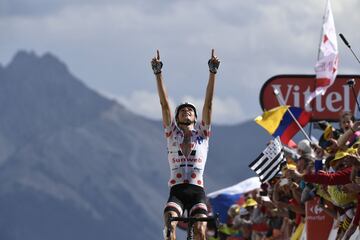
(213, 66)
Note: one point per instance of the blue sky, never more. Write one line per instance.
(108, 44)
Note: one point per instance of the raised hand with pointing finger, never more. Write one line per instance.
(213, 62)
(156, 64)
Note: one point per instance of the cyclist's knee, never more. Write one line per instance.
(169, 214)
(170, 226)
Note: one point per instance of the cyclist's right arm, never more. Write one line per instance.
(164, 101)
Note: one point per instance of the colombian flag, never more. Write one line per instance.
(279, 122)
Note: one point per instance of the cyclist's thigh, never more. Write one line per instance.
(174, 203)
(197, 202)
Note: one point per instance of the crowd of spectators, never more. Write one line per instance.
(327, 169)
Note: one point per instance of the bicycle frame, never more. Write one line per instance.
(191, 221)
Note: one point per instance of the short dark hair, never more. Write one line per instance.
(349, 114)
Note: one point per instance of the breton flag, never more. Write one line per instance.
(268, 163)
(326, 67)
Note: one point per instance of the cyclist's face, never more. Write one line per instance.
(186, 114)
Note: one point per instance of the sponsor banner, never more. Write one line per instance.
(295, 89)
(318, 223)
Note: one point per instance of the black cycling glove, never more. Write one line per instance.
(156, 66)
(213, 65)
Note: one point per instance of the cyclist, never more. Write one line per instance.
(187, 145)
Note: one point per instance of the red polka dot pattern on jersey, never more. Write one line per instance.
(168, 134)
(187, 169)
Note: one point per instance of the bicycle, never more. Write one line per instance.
(191, 221)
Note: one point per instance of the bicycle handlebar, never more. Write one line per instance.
(194, 219)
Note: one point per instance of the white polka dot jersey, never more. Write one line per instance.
(187, 169)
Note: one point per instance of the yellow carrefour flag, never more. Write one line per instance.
(271, 119)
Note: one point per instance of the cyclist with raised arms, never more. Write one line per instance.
(187, 145)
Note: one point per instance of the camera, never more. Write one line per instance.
(263, 193)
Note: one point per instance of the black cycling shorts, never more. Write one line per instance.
(187, 197)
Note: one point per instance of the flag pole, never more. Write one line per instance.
(276, 92)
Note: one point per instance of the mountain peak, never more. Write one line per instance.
(23, 55)
(25, 58)
(46, 94)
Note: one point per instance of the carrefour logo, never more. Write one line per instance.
(316, 209)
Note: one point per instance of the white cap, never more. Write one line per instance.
(305, 148)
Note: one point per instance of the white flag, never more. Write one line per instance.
(326, 67)
(268, 163)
